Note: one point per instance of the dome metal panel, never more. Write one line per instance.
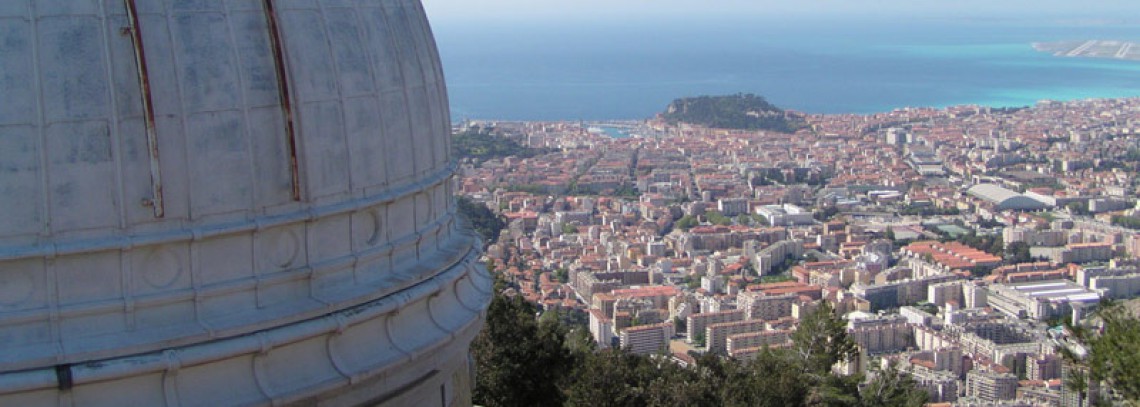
(217, 187)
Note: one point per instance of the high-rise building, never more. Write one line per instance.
(991, 386)
(717, 334)
(229, 203)
(647, 339)
(696, 323)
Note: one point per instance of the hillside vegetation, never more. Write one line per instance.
(522, 360)
(482, 144)
(743, 111)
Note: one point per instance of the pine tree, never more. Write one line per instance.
(519, 362)
(893, 388)
(821, 340)
(1114, 354)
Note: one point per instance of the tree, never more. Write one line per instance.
(562, 275)
(1114, 353)
(580, 343)
(686, 222)
(606, 378)
(739, 111)
(992, 244)
(835, 391)
(1080, 208)
(613, 377)
(699, 338)
(821, 340)
(1129, 222)
(668, 384)
(892, 388)
(717, 218)
(482, 144)
(773, 378)
(826, 213)
(519, 361)
(523, 361)
(485, 222)
(1018, 252)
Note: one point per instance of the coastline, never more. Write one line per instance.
(607, 73)
(1097, 49)
(625, 123)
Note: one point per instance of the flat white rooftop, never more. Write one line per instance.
(1054, 291)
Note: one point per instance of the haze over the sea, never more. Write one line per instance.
(539, 66)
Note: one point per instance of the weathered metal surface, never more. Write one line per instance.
(155, 201)
(299, 212)
(285, 97)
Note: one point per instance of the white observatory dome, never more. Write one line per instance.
(223, 202)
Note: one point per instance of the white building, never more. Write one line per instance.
(732, 206)
(1005, 199)
(647, 339)
(1040, 300)
(696, 323)
(991, 387)
(601, 328)
(770, 257)
(785, 215)
(1117, 286)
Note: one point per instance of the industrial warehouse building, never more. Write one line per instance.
(1041, 300)
(1005, 199)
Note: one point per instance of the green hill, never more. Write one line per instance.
(743, 111)
(482, 144)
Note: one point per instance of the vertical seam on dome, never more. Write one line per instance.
(284, 93)
(342, 96)
(428, 42)
(186, 198)
(156, 203)
(51, 287)
(400, 50)
(243, 95)
(41, 124)
(115, 131)
(415, 31)
(378, 35)
(367, 42)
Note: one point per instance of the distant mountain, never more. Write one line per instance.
(743, 111)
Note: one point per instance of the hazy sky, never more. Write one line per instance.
(491, 10)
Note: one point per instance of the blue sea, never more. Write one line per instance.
(619, 69)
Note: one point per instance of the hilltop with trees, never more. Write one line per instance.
(482, 143)
(743, 111)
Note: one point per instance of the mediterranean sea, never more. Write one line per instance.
(614, 69)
